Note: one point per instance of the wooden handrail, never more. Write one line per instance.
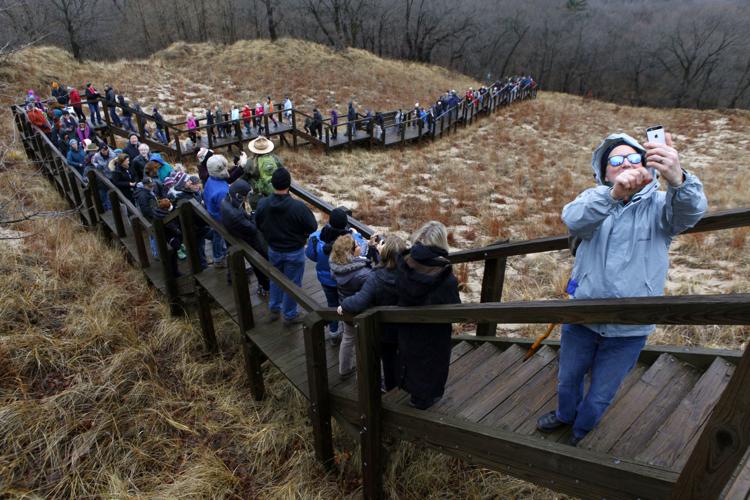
(724, 219)
(726, 309)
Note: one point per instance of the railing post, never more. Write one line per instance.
(349, 129)
(170, 280)
(367, 328)
(317, 379)
(177, 145)
(492, 289)
(250, 351)
(114, 201)
(88, 199)
(108, 120)
(140, 126)
(75, 189)
(723, 442)
(140, 244)
(294, 130)
(94, 190)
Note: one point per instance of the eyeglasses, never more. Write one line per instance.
(618, 160)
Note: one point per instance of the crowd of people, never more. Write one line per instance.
(622, 231)
(62, 116)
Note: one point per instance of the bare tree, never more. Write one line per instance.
(77, 18)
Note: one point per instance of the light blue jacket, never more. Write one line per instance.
(624, 247)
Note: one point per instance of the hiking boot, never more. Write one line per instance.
(573, 441)
(261, 292)
(274, 316)
(220, 264)
(549, 422)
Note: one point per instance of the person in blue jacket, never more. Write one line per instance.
(214, 192)
(318, 250)
(76, 157)
(625, 226)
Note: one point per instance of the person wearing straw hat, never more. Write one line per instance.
(258, 173)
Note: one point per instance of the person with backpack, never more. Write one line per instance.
(214, 191)
(60, 94)
(111, 100)
(159, 122)
(259, 172)
(318, 250)
(127, 114)
(268, 110)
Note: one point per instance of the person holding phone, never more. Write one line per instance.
(625, 226)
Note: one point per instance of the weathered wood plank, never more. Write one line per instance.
(463, 388)
(692, 412)
(526, 398)
(491, 396)
(638, 436)
(622, 415)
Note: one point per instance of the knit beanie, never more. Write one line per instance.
(281, 179)
(338, 218)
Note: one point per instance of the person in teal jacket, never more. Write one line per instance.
(625, 226)
(165, 169)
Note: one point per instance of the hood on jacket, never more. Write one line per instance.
(328, 236)
(353, 265)
(422, 269)
(217, 166)
(597, 157)
(111, 165)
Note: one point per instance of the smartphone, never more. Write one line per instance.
(656, 134)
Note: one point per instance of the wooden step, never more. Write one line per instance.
(462, 388)
(493, 395)
(675, 438)
(526, 400)
(647, 393)
(638, 436)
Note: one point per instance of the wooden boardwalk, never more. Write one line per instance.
(290, 132)
(680, 424)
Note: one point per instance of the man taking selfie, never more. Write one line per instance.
(625, 226)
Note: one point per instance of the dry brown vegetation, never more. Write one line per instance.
(101, 394)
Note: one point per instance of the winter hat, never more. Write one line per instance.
(72, 142)
(338, 218)
(193, 179)
(202, 153)
(239, 189)
(217, 167)
(178, 178)
(281, 179)
(57, 112)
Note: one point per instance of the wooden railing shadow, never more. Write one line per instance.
(581, 472)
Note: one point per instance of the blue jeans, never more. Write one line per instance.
(218, 246)
(115, 118)
(332, 298)
(609, 359)
(94, 110)
(160, 136)
(292, 264)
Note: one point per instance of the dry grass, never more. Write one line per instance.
(102, 396)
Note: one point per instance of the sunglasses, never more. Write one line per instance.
(618, 160)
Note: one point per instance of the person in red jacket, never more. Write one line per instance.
(247, 116)
(36, 116)
(75, 101)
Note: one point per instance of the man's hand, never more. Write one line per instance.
(665, 160)
(629, 182)
(340, 310)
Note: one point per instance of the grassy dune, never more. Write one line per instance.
(103, 395)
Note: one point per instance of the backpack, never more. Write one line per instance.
(266, 165)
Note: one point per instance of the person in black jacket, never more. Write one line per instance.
(285, 223)
(132, 148)
(187, 189)
(152, 208)
(121, 176)
(380, 290)
(425, 277)
(241, 224)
